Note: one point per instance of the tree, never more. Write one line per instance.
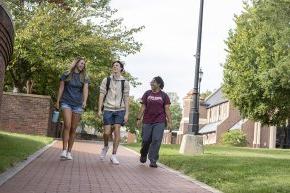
(89, 118)
(175, 109)
(134, 110)
(49, 35)
(205, 94)
(257, 69)
(176, 114)
(173, 97)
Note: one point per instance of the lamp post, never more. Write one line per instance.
(192, 143)
(200, 78)
(195, 98)
(199, 82)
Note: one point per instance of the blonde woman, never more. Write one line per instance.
(72, 98)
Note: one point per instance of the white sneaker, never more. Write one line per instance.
(104, 152)
(69, 156)
(114, 159)
(63, 154)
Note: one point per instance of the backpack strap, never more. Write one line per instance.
(107, 89)
(108, 83)
(163, 94)
(123, 87)
(164, 99)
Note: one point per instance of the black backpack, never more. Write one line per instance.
(108, 87)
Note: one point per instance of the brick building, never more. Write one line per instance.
(187, 104)
(220, 117)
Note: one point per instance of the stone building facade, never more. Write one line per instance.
(218, 116)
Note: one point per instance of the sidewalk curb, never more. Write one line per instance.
(9, 173)
(203, 185)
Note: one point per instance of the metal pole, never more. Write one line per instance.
(198, 101)
(195, 98)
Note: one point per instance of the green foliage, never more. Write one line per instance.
(257, 69)
(205, 94)
(134, 109)
(175, 109)
(50, 34)
(176, 115)
(232, 169)
(17, 147)
(89, 118)
(234, 138)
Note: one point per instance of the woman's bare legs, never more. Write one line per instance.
(75, 119)
(67, 116)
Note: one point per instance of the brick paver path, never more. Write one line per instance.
(88, 174)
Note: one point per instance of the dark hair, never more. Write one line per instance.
(159, 81)
(121, 64)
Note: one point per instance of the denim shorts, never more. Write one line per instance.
(74, 109)
(114, 117)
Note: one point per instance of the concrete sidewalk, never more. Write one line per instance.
(86, 173)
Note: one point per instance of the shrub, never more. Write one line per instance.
(234, 138)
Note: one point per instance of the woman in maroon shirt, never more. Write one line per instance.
(155, 115)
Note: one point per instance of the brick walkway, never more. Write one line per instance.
(88, 174)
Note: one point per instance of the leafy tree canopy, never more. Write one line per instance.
(50, 34)
(257, 69)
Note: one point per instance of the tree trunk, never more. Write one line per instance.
(29, 85)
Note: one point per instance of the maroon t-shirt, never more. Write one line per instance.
(154, 107)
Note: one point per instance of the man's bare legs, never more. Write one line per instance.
(117, 137)
(106, 137)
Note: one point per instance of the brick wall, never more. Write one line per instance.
(248, 129)
(202, 110)
(24, 113)
(186, 113)
(265, 136)
(233, 118)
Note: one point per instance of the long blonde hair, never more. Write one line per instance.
(83, 74)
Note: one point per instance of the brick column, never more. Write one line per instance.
(6, 43)
(2, 72)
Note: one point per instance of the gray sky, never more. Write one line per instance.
(169, 41)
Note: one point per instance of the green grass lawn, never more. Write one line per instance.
(17, 147)
(233, 169)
